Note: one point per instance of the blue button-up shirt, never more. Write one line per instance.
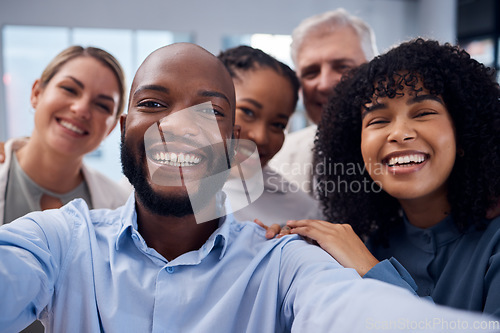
(82, 270)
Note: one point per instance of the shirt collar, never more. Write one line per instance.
(128, 219)
(220, 237)
(438, 235)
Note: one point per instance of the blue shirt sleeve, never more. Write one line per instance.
(32, 259)
(391, 271)
(322, 296)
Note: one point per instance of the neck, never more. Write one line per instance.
(55, 172)
(426, 212)
(173, 236)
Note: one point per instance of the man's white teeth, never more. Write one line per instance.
(401, 160)
(175, 159)
(71, 127)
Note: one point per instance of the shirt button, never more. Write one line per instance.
(134, 237)
(170, 269)
(427, 238)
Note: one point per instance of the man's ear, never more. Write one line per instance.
(36, 90)
(123, 122)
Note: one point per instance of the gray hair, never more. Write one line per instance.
(329, 21)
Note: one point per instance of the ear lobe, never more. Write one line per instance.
(36, 90)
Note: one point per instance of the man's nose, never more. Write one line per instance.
(328, 79)
(180, 123)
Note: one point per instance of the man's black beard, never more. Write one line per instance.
(178, 205)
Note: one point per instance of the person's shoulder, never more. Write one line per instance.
(53, 222)
(493, 227)
(255, 236)
(485, 239)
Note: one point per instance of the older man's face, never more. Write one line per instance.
(321, 62)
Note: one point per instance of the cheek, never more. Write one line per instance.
(109, 123)
(447, 143)
(307, 88)
(366, 148)
(276, 141)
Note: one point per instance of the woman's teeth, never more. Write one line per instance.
(406, 160)
(71, 127)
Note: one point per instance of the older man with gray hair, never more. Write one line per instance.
(324, 47)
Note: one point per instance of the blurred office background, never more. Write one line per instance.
(34, 31)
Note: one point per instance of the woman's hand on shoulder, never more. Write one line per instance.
(272, 231)
(339, 240)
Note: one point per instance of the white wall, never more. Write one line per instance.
(392, 20)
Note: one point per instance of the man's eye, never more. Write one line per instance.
(210, 111)
(343, 68)
(309, 74)
(150, 104)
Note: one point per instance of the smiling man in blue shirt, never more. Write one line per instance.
(160, 264)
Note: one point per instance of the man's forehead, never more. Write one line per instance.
(340, 43)
(185, 64)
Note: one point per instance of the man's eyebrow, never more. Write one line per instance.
(427, 97)
(212, 93)
(151, 87)
(374, 107)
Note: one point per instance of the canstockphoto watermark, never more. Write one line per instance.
(437, 323)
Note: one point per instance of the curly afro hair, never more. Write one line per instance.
(472, 98)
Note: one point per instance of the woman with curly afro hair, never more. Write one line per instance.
(407, 161)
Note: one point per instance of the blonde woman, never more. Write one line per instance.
(77, 101)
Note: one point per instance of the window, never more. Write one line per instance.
(478, 31)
